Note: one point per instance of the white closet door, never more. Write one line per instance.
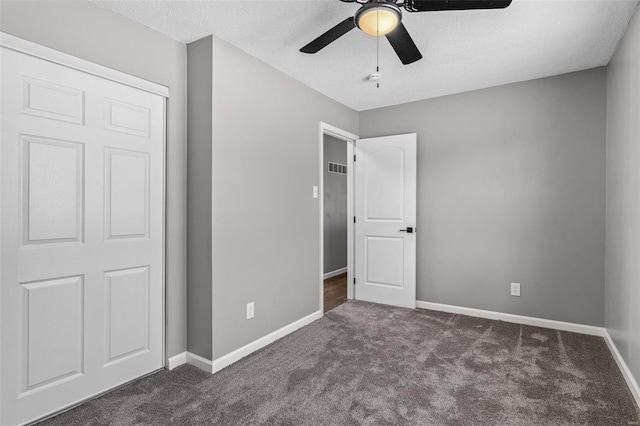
(82, 181)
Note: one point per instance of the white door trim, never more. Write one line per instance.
(33, 49)
(350, 138)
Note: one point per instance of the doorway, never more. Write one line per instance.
(336, 209)
(381, 196)
(335, 219)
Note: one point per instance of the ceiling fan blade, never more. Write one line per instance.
(403, 44)
(435, 5)
(330, 36)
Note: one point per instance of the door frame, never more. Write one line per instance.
(350, 139)
(39, 51)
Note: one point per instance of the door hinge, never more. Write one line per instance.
(354, 280)
(354, 158)
(354, 219)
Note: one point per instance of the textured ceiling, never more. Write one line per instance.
(462, 50)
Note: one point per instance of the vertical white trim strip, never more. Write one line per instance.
(321, 214)
(165, 317)
(351, 227)
(213, 211)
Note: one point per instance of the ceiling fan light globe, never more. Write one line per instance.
(378, 20)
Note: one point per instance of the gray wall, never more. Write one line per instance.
(265, 220)
(87, 31)
(622, 290)
(335, 206)
(200, 133)
(511, 182)
(511, 188)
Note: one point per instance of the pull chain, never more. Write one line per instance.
(378, 47)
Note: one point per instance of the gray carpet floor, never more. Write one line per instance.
(367, 364)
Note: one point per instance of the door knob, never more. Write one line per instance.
(409, 230)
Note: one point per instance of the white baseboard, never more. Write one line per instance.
(222, 362)
(177, 360)
(230, 358)
(516, 319)
(335, 273)
(624, 369)
(200, 362)
(189, 358)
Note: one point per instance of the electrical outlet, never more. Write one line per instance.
(315, 191)
(515, 289)
(250, 310)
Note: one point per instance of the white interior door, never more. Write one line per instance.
(385, 192)
(82, 181)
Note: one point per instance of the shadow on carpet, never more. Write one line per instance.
(367, 364)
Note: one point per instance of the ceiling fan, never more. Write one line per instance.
(383, 18)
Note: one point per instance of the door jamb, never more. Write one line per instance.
(350, 139)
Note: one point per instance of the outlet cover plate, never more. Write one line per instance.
(250, 311)
(515, 289)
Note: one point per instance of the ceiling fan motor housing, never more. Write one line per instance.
(378, 17)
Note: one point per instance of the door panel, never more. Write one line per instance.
(384, 181)
(127, 194)
(127, 118)
(391, 271)
(127, 312)
(53, 190)
(385, 192)
(82, 181)
(49, 100)
(52, 314)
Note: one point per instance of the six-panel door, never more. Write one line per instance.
(81, 235)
